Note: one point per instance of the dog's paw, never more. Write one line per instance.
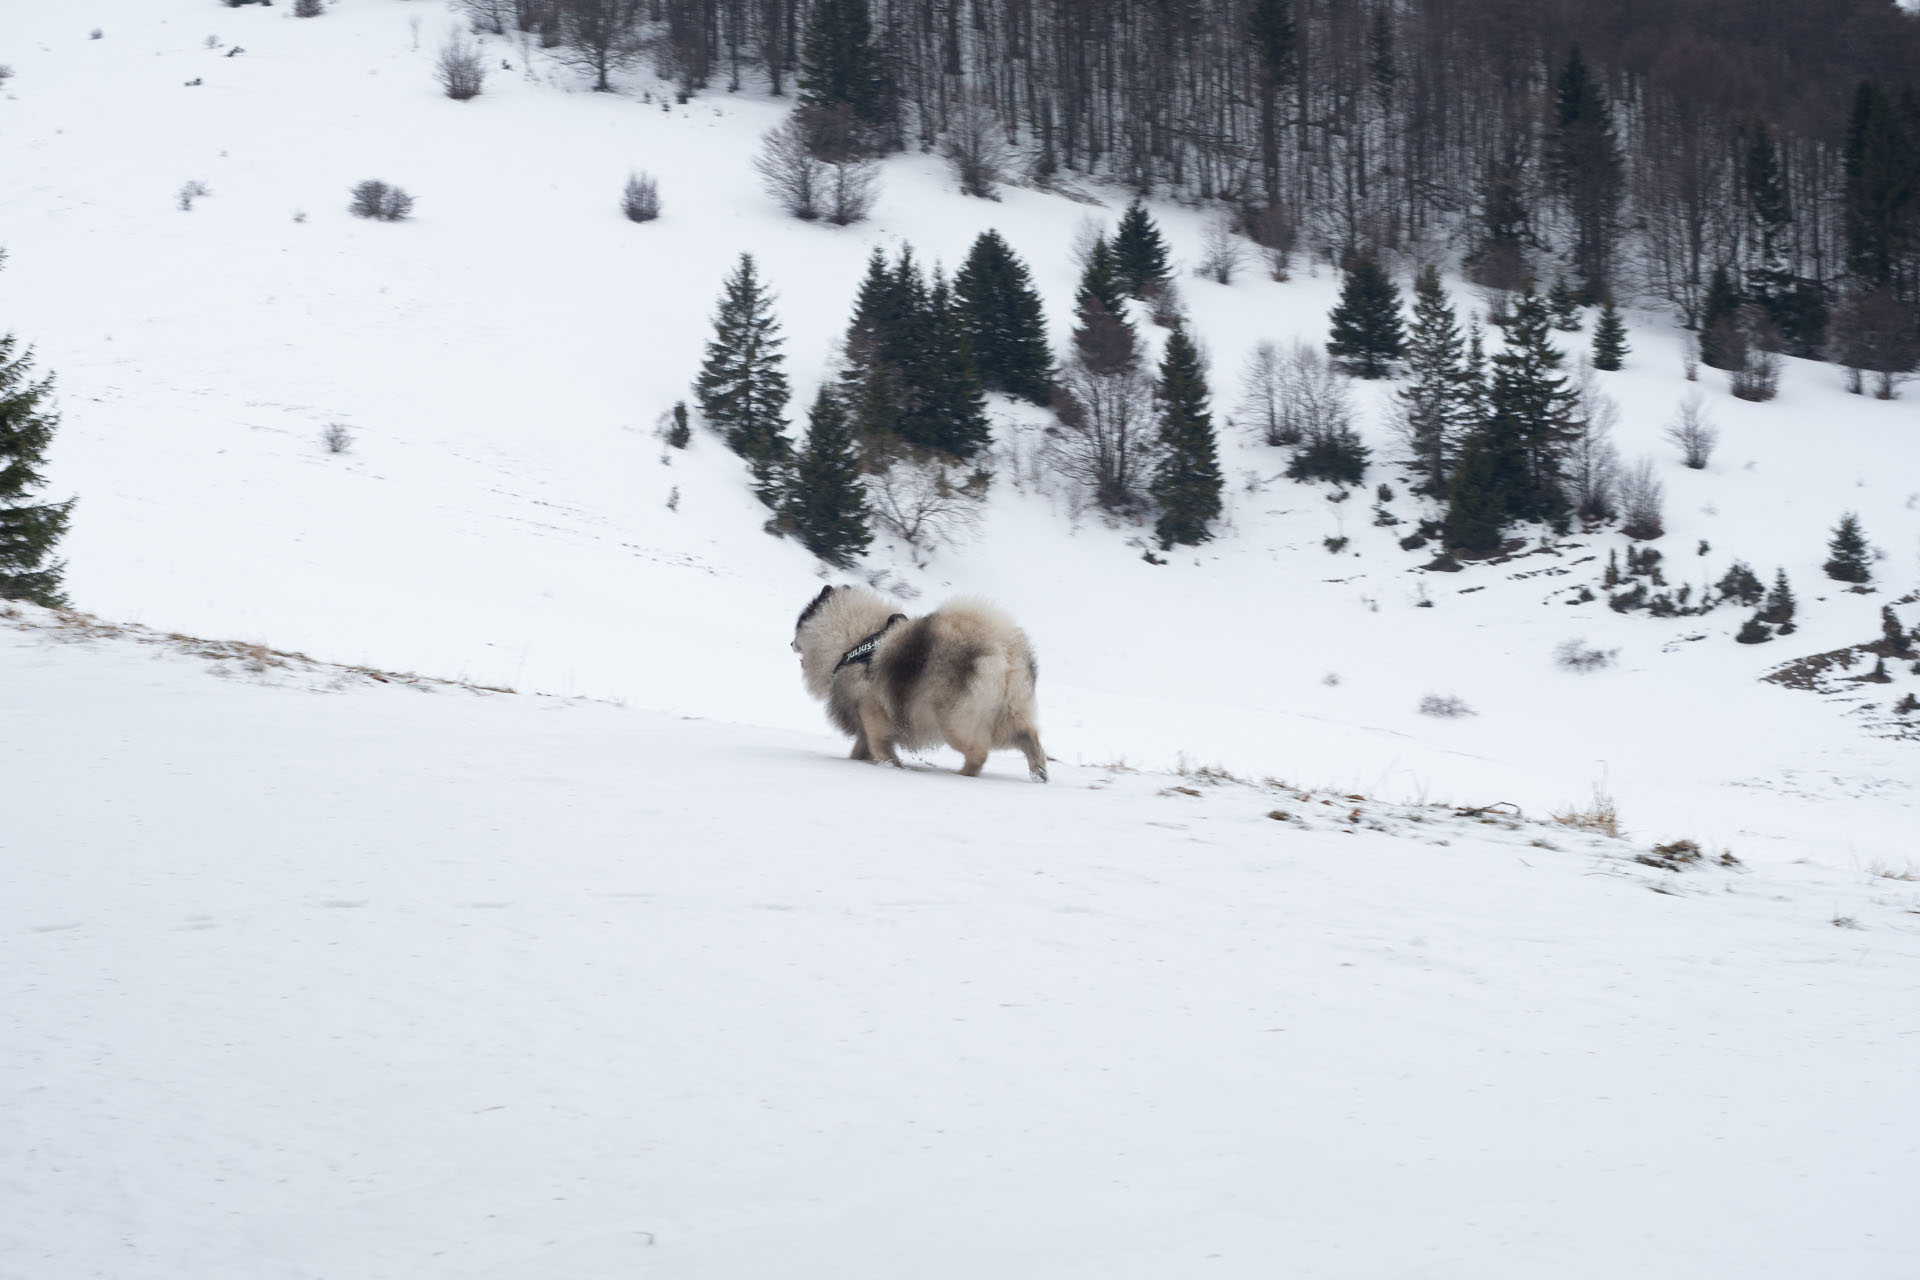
(1038, 775)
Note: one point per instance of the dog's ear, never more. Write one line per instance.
(813, 606)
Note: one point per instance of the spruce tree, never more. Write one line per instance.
(1139, 253)
(742, 389)
(1101, 281)
(1367, 335)
(28, 529)
(1848, 558)
(1186, 483)
(1881, 195)
(1586, 166)
(945, 405)
(1487, 469)
(1779, 605)
(1609, 338)
(1004, 320)
(1722, 345)
(826, 507)
(1528, 405)
(1563, 306)
(1433, 401)
(839, 67)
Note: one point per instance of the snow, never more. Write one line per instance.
(629, 972)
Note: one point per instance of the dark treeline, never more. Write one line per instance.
(1776, 138)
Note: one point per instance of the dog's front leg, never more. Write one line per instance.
(878, 733)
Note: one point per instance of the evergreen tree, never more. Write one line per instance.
(1487, 469)
(826, 507)
(1103, 343)
(1768, 279)
(1519, 444)
(1779, 604)
(1433, 403)
(28, 530)
(1563, 306)
(1187, 482)
(839, 67)
(1587, 168)
(1005, 321)
(1892, 634)
(1528, 398)
(1139, 253)
(741, 388)
(1848, 558)
(1101, 281)
(1367, 334)
(1609, 338)
(1722, 344)
(1882, 152)
(945, 405)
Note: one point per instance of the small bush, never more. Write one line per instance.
(1335, 545)
(1753, 631)
(1695, 435)
(336, 438)
(1673, 856)
(1599, 815)
(189, 192)
(1221, 252)
(460, 68)
(640, 200)
(1907, 705)
(678, 431)
(1446, 708)
(1642, 499)
(307, 8)
(1577, 655)
(383, 203)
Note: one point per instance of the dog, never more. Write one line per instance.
(963, 675)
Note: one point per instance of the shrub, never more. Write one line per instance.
(1446, 708)
(1695, 435)
(336, 438)
(1642, 499)
(308, 8)
(1576, 655)
(375, 199)
(1599, 815)
(191, 191)
(460, 68)
(679, 433)
(640, 200)
(1221, 252)
(1753, 631)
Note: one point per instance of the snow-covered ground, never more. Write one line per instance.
(661, 967)
(379, 982)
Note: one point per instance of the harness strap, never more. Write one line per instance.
(862, 653)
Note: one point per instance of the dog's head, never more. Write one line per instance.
(834, 621)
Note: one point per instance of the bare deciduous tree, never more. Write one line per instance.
(976, 147)
(928, 502)
(1875, 334)
(1221, 251)
(1693, 432)
(1592, 464)
(789, 171)
(1107, 440)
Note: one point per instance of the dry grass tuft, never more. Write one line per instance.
(1599, 815)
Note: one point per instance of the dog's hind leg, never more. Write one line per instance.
(860, 749)
(1029, 743)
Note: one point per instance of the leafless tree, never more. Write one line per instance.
(1274, 228)
(1642, 502)
(1107, 440)
(1591, 463)
(1875, 334)
(600, 36)
(461, 68)
(976, 147)
(1693, 432)
(851, 187)
(1263, 401)
(1758, 377)
(1221, 251)
(928, 502)
(789, 171)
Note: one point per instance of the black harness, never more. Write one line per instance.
(862, 653)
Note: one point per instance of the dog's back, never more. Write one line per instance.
(962, 674)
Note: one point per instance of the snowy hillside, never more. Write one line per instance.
(343, 978)
(629, 972)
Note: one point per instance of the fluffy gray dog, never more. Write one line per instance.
(962, 675)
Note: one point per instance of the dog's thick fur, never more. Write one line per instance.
(962, 675)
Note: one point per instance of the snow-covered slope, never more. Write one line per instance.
(337, 978)
(502, 359)
(386, 982)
